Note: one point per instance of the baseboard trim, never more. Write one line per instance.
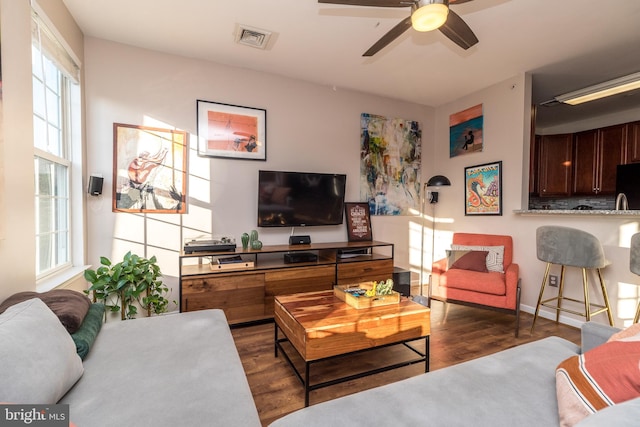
(551, 315)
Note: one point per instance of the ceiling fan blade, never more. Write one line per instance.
(389, 37)
(458, 1)
(373, 3)
(458, 31)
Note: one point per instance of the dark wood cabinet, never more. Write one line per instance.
(534, 162)
(585, 163)
(633, 142)
(554, 168)
(613, 152)
(596, 154)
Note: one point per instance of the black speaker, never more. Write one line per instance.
(95, 185)
(402, 281)
(300, 240)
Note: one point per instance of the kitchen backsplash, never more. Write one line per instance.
(596, 203)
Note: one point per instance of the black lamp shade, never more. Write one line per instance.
(438, 181)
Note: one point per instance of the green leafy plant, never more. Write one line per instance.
(123, 286)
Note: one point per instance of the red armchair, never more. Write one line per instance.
(499, 291)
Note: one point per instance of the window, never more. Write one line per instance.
(55, 99)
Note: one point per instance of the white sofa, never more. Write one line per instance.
(514, 387)
(171, 370)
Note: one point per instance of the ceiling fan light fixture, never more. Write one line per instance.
(429, 15)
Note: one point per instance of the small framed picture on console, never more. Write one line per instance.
(358, 222)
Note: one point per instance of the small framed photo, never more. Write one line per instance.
(483, 189)
(231, 131)
(358, 222)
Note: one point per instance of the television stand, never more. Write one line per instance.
(246, 294)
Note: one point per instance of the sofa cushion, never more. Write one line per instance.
(39, 359)
(495, 258)
(599, 378)
(624, 414)
(70, 306)
(177, 369)
(86, 335)
(467, 260)
(486, 283)
(510, 388)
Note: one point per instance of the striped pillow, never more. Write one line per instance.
(495, 258)
(601, 377)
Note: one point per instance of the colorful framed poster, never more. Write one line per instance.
(149, 169)
(483, 189)
(231, 131)
(358, 222)
(466, 131)
(390, 164)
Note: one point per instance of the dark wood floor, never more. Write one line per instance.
(457, 334)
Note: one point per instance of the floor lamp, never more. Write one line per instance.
(436, 182)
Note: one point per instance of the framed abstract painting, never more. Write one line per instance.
(390, 164)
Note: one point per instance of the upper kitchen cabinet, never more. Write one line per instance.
(554, 165)
(633, 142)
(596, 153)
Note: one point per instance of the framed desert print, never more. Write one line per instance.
(149, 169)
(483, 189)
(358, 222)
(231, 131)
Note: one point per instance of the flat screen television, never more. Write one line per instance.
(297, 199)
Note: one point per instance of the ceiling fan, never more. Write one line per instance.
(426, 15)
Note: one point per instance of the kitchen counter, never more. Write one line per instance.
(593, 212)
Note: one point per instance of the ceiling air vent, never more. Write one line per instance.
(254, 37)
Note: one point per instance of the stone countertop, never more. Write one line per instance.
(592, 212)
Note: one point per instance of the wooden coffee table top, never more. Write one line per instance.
(320, 325)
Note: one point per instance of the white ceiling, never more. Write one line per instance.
(566, 44)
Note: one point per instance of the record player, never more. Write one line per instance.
(218, 244)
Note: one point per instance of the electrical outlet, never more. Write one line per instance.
(553, 280)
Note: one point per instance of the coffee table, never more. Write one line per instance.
(320, 326)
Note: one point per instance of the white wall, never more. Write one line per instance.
(17, 245)
(506, 131)
(309, 128)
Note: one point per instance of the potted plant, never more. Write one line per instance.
(123, 286)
